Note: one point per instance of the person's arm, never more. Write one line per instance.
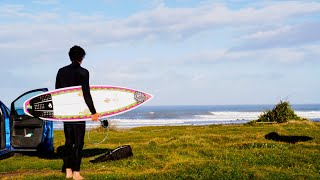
(86, 93)
(87, 97)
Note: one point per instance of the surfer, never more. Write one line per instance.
(75, 75)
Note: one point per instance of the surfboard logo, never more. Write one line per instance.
(85, 112)
(139, 97)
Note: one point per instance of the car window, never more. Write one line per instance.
(18, 104)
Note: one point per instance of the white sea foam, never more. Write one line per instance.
(167, 122)
(220, 117)
(309, 114)
(234, 115)
(59, 125)
(230, 115)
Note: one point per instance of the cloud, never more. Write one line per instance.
(45, 40)
(77, 16)
(198, 77)
(19, 13)
(286, 36)
(282, 55)
(45, 2)
(204, 57)
(162, 22)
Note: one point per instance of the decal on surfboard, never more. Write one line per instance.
(41, 106)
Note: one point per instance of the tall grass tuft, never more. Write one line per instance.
(281, 113)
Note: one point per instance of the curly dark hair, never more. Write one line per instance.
(76, 53)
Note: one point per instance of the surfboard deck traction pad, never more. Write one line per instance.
(42, 106)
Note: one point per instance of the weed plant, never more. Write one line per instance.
(281, 113)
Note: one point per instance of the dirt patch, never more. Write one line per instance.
(25, 173)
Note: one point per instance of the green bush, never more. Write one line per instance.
(281, 113)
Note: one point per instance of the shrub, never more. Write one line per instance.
(281, 113)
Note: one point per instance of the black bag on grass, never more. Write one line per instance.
(116, 154)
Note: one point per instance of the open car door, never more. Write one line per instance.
(5, 143)
(30, 133)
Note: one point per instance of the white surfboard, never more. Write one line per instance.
(67, 104)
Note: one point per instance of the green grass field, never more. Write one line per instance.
(190, 152)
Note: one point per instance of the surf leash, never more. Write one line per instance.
(103, 128)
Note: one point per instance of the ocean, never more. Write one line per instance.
(198, 115)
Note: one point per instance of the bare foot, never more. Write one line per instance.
(77, 176)
(68, 173)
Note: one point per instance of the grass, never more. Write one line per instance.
(190, 152)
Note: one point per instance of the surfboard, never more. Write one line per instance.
(67, 104)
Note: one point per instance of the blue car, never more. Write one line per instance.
(20, 132)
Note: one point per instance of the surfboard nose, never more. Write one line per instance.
(141, 97)
(148, 96)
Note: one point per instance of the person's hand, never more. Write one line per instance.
(95, 117)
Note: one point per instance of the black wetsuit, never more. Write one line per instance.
(75, 75)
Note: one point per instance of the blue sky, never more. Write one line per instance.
(184, 52)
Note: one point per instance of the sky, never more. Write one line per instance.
(184, 52)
